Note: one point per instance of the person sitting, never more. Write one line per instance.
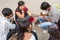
(26, 32)
(51, 11)
(45, 20)
(5, 23)
(22, 13)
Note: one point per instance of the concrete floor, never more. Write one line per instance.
(41, 35)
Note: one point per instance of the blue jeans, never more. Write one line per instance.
(45, 25)
(41, 20)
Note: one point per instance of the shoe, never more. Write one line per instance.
(44, 31)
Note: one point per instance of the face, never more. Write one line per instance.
(22, 7)
(30, 28)
(49, 8)
(11, 15)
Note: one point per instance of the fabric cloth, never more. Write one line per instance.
(32, 37)
(35, 34)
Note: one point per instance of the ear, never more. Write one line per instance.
(7, 17)
(20, 7)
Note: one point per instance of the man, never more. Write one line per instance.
(52, 12)
(5, 24)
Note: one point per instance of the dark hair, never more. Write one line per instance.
(23, 29)
(44, 6)
(54, 33)
(20, 3)
(6, 12)
(58, 24)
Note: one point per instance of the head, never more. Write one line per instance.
(54, 32)
(7, 12)
(45, 6)
(24, 27)
(21, 4)
(58, 24)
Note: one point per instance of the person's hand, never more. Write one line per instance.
(12, 20)
(49, 20)
(22, 11)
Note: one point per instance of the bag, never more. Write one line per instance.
(31, 19)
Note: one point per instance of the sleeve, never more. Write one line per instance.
(1, 31)
(16, 10)
(10, 25)
(1, 34)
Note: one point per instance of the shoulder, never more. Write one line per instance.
(54, 9)
(27, 36)
(3, 19)
(17, 10)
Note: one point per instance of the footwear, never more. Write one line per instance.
(44, 31)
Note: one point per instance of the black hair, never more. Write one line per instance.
(6, 12)
(58, 24)
(20, 3)
(22, 30)
(44, 5)
(54, 33)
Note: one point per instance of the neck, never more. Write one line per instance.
(7, 17)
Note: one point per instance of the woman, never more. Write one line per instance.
(55, 33)
(58, 23)
(25, 32)
(22, 13)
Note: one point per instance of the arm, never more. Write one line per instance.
(43, 15)
(10, 25)
(20, 15)
(29, 13)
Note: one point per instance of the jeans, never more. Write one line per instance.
(41, 20)
(45, 25)
(12, 31)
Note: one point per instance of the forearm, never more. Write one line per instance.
(22, 15)
(29, 13)
(10, 25)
